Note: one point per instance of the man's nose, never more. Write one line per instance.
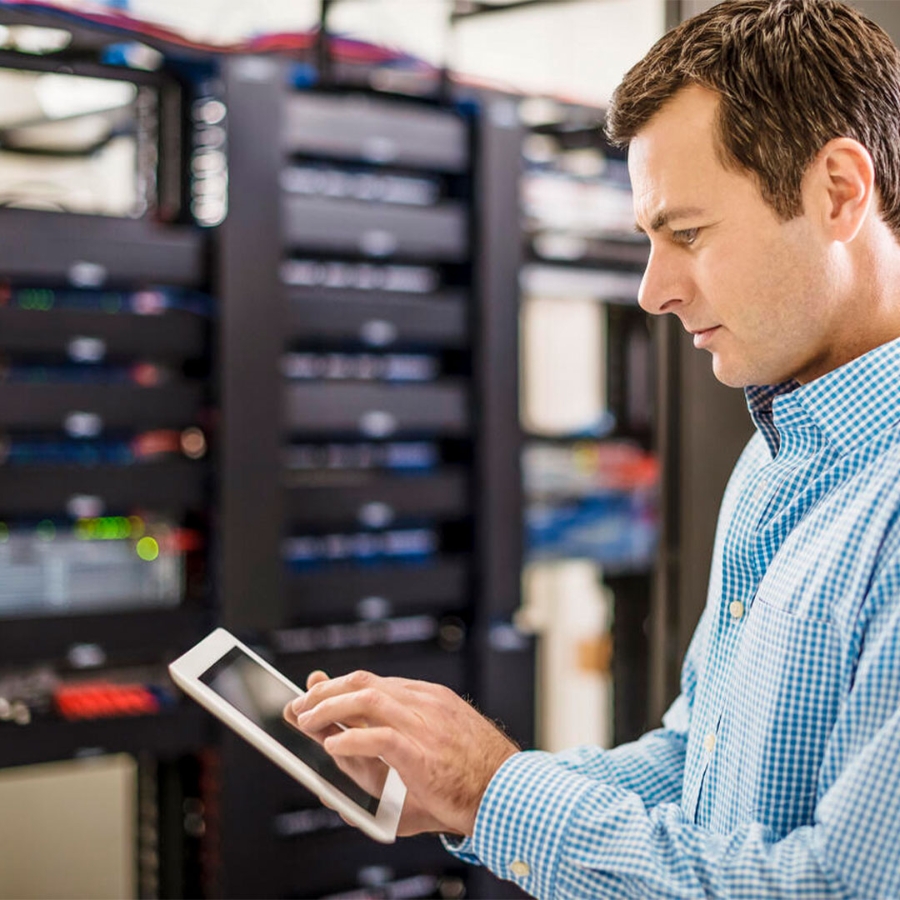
(664, 288)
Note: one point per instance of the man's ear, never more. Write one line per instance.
(840, 184)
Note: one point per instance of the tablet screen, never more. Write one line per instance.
(261, 697)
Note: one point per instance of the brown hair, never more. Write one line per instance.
(791, 75)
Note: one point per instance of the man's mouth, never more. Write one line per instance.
(702, 336)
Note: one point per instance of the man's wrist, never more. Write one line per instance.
(510, 750)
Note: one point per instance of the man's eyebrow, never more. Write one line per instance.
(662, 218)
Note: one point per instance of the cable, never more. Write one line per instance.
(344, 48)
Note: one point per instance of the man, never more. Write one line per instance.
(764, 151)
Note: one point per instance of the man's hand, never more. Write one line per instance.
(444, 750)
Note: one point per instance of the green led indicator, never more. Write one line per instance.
(109, 529)
(36, 298)
(46, 530)
(147, 549)
(106, 528)
(4, 532)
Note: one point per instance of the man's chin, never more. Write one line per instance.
(730, 376)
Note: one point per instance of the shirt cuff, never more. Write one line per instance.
(523, 818)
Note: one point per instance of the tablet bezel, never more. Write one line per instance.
(186, 672)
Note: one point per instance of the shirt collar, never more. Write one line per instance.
(760, 400)
(850, 404)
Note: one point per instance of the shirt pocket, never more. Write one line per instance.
(784, 700)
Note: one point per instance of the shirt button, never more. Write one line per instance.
(736, 608)
(709, 742)
(520, 868)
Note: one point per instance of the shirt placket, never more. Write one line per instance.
(756, 508)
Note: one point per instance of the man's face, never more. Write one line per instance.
(753, 290)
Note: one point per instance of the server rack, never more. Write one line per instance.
(579, 244)
(106, 395)
(370, 484)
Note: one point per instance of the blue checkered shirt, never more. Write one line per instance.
(777, 770)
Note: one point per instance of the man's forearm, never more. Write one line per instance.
(560, 835)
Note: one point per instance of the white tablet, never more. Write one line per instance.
(250, 696)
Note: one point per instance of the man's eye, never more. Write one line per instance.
(686, 236)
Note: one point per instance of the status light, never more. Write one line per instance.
(193, 443)
(107, 528)
(36, 298)
(147, 549)
(46, 530)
